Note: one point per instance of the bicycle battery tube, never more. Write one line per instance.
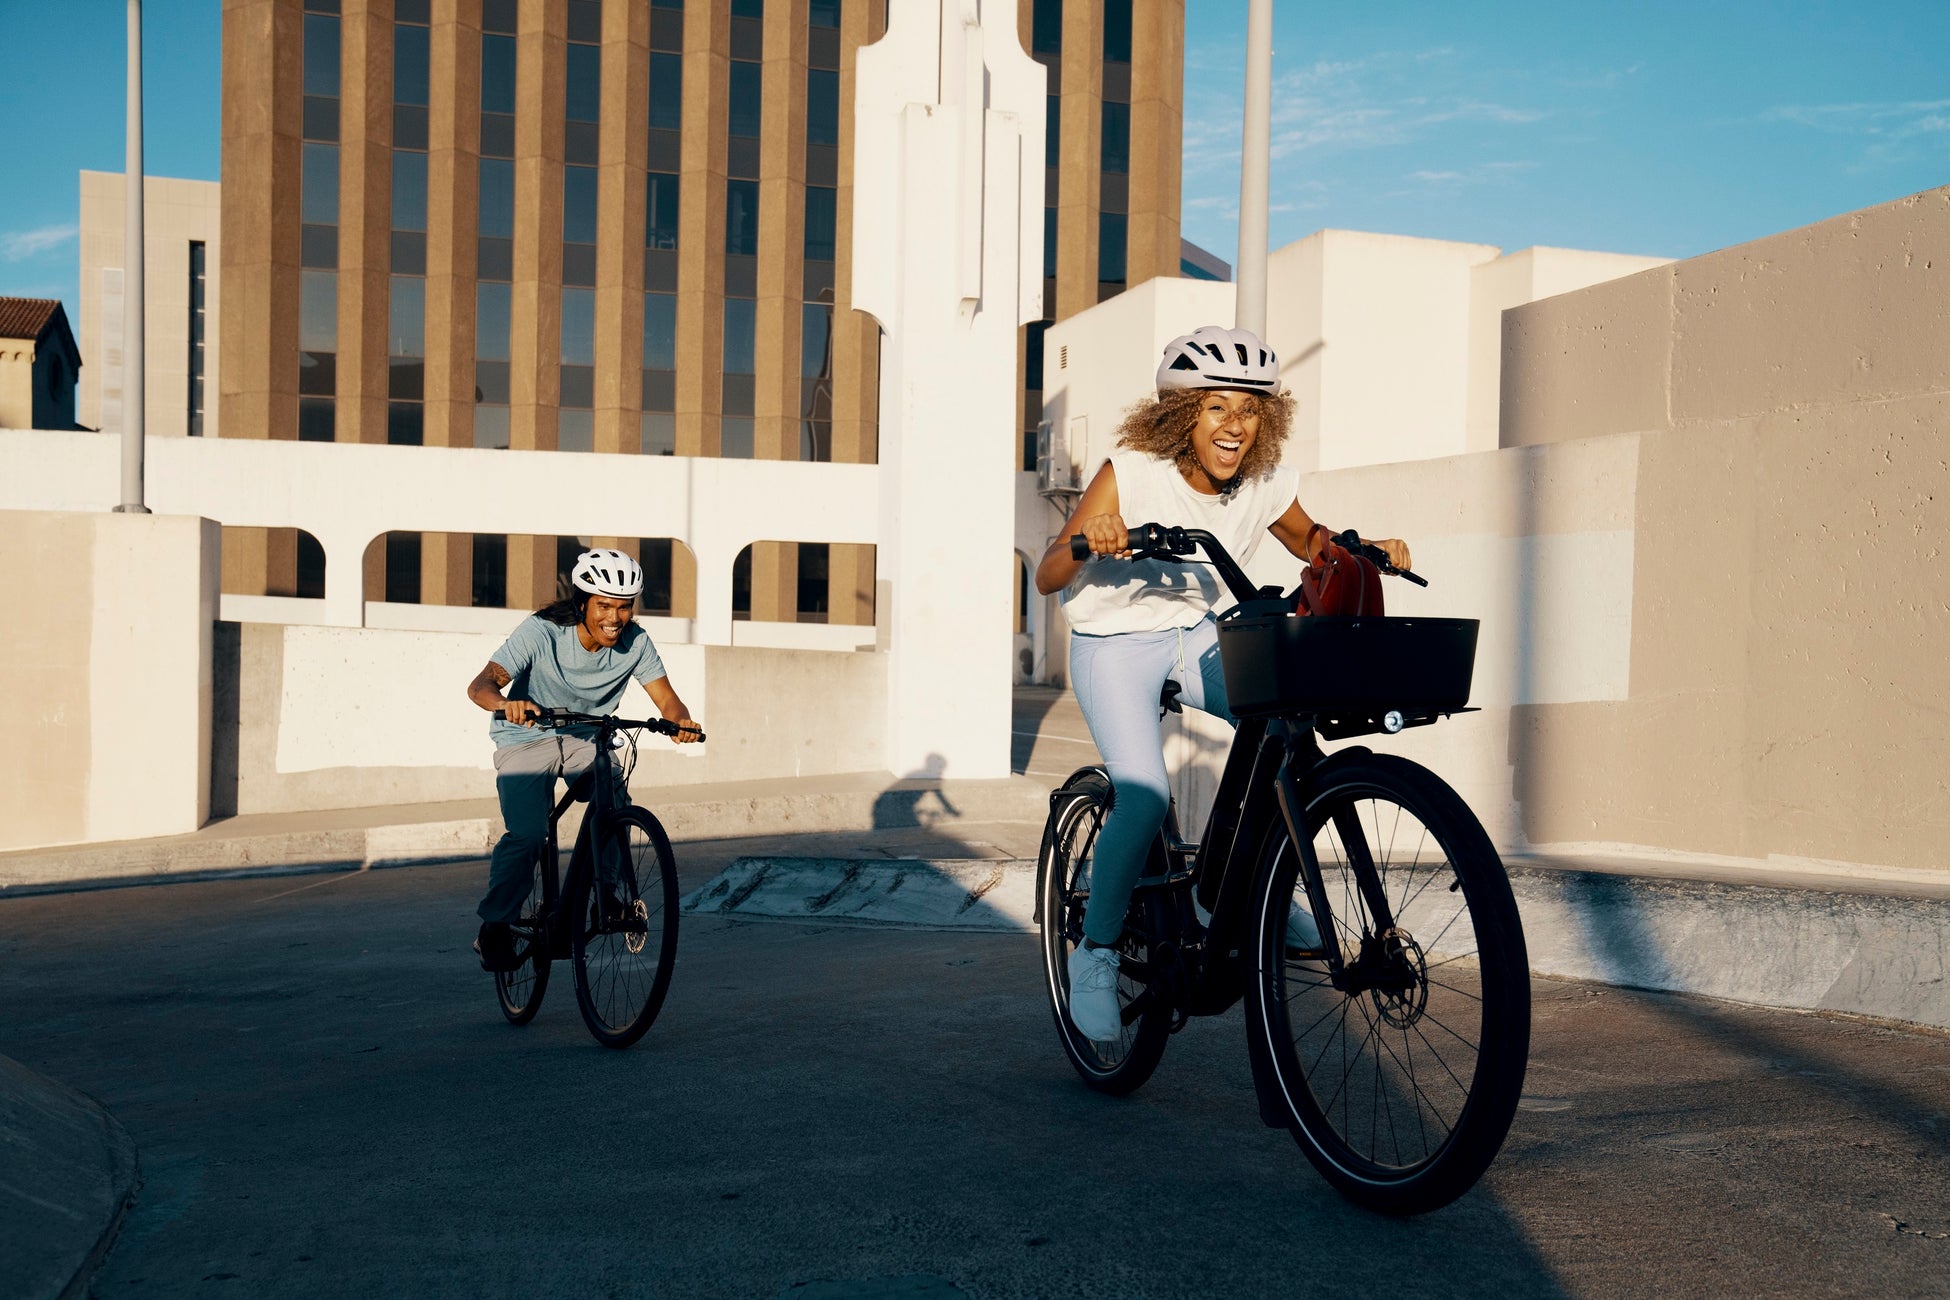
(1287, 664)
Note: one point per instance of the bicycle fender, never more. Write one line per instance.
(1070, 783)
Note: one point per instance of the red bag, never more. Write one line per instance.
(1338, 582)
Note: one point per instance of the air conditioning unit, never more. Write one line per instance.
(1056, 477)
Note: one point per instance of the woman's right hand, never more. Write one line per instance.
(1106, 534)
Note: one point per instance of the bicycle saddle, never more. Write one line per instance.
(1168, 697)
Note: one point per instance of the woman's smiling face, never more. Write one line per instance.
(1228, 422)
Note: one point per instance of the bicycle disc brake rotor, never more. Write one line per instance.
(1401, 1001)
(636, 922)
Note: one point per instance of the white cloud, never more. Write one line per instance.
(1890, 118)
(20, 245)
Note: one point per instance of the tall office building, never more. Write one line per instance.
(617, 227)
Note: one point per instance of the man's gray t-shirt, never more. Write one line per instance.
(549, 666)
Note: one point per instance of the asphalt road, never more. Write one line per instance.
(325, 1101)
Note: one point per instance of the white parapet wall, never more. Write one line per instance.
(312, 717)
(347, 494)
(107, 647)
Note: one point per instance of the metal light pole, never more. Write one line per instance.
(1255, 161)
(132, 281)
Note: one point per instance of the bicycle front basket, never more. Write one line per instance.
(1292, 664)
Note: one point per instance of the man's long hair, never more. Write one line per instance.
(568, 606)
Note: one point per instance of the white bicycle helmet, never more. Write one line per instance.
(604, 572)
(1215, 357)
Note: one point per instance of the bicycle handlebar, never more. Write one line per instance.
(1144, 540)
(570, 718)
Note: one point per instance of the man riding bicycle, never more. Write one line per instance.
(578, 654)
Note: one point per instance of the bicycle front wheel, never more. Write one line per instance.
(1069, 841)
(623, 922)
(520, 990)
(1400, 1072)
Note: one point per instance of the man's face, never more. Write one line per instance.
(604, 617)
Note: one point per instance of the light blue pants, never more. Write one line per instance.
(1117, 679)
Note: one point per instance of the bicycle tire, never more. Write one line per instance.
(623, 960)
(1076, 812)
(520, 991)
(1345, 1059)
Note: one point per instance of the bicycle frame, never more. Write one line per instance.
(555, 882)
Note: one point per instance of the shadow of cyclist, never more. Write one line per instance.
(912, 799)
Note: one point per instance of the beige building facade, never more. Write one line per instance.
(38, 363)
(182, 246)
(614, 228)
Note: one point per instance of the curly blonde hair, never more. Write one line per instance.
(1162, 426)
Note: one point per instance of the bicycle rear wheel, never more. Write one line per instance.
(1069, 837)
(624, 929)
(520, 990)
(1400, 1074)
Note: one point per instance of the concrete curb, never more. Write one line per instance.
(67, 1176)
(363, 839)
(1867, 954)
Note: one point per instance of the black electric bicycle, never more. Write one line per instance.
(615, 913)
(1394, 1047)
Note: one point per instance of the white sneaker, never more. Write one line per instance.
(1301, 932)
(1093, 993)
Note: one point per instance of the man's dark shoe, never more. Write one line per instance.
(496, 946)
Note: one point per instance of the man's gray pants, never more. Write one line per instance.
(525, 777)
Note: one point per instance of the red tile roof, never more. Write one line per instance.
(25, 318)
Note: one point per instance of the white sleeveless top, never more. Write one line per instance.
(1112, 595)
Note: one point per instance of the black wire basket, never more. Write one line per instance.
(1346, 668)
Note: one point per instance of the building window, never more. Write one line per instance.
(816, 382)
(746, 98)
(1046, 27)
(406, 346)
(822, 107)
(666, 92)
(660, 212)
(1116, 152)
(659, 424)
(741, 218)
(1117, 31)
(318, 233)
(823, 13)
(494, 266)
(196, 338)
(575, 429)
(581, 142)
(822, 222)
(1111, 228)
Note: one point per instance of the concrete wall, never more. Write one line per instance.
(327, 717)
(1707, 561)
(1789, 398)
(107, 646)
(175, 213)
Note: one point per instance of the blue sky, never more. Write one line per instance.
(1659, 128)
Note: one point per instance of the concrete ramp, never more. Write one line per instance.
(932, 893)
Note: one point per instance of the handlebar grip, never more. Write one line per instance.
(1415, 578)
(543, 717)
(1079, 546)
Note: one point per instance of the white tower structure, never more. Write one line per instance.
(947, 256)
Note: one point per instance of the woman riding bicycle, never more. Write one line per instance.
(1203, 452)
(578, 654)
